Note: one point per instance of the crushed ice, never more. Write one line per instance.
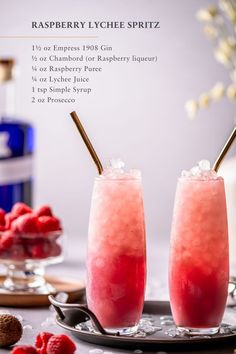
(167, 320)
(27, 328)
(167, 323)
(99, 351)
(226, 329)
(174, 332)
(62, 297)
(50, 321)
(146, 327)
(201, 171)
(116, 170)
(117, 163)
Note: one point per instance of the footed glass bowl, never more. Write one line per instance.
(25, 257)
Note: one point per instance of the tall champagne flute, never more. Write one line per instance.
(199, 261)
(116, 257)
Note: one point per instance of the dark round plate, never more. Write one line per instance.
(158, 341)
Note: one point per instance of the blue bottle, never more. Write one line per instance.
(16, 146)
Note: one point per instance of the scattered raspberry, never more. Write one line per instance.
(42, 341)
(48, 223)
(2, 217)
(6, 240)
(20, 209)
(60, 344)
(27, 223)
(44, 210)
(24, 349)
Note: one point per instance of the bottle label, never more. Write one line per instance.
(16, 170)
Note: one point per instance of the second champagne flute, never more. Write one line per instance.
(199, 261)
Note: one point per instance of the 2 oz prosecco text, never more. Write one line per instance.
(52, 100)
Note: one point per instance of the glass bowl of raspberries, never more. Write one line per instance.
(29, 241)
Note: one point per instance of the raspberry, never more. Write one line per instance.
(18, 252)
(60, 344)
(2, 217)
(44, 210)
(40, 250)
(6, 240)
(48, 223)
(55, 249)
(20, 209)
(27, 223)
(24, 349)
(42, 341)
(14, 226)
(9, 218)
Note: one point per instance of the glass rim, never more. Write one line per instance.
(200, 179)
(126, 176)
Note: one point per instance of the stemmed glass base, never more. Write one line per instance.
(26, 277)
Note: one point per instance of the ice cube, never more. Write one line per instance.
(50, 321)
(117, 163)
(174, 332)
(140, 334)
(96, 351)
(27, 328)
(185, 173)
(226, 330)
(204, 165)
(62, 297)
(164, 318)
(195, 171)
(135, 173)
(167, 322)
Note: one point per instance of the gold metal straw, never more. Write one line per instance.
(224, 151)
(87, 142)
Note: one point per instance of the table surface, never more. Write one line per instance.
(37, 320)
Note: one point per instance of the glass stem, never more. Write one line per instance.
(24, 277)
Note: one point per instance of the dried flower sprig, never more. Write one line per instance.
(220, 27)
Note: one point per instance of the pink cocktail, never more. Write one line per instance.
(116, 259)
(199, 262)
